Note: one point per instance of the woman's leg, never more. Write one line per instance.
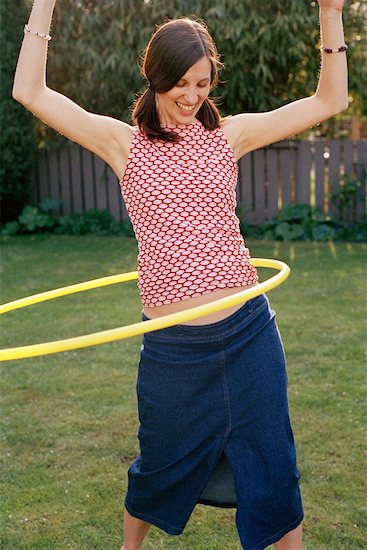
(291, 541)
(134, 532)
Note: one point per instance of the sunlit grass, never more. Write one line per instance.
(69, 420)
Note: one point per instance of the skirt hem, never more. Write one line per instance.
(157, 522)
(275, 538)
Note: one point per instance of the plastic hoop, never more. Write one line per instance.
(102, 337)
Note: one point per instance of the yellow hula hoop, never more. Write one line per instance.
(165, 321)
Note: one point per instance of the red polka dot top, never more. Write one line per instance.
(181, 200)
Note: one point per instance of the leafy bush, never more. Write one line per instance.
(17, 136)
(93, 221)
(98, 222)
(299, 222)
(349, 192)
(302, 222)
(34, 219)
(106, 38)
(42, 219)
(352, 232)
(296, 222)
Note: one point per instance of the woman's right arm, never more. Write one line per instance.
(107, 137)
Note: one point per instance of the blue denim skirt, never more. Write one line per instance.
(212, 401)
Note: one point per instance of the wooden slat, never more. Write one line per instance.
(334, 174)
(272, 171)
(88, 180)
(77, 187)
(43, 176)
(361, 166)
(54, 189)
(347, 145)
(34, 189)
(285, 176)
(320, 175)
(247, 192)
(101, 184)
(303, 173)
(348, 155)
(259, 180)
(65, 181)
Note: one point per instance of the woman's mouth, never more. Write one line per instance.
(186, 109)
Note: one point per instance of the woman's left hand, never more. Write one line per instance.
(331, 4)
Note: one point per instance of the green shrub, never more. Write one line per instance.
(34, 219)
(97, 222)
(349, 192)
(43, 219)
(299, 222)
(93, 221)
(352, 232)
(17, 136)
(302, 222)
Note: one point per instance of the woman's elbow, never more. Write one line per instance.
(343, 106)
(19, 97)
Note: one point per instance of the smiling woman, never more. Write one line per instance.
(206, 392)
(184, 100)
(181, 66)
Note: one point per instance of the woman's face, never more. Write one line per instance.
(181, 104)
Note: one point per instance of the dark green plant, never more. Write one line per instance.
(302, 222)
(293, 223)
(93, 221)
(349, 192)
(297, 222)
(44, 219)
(34, 219)
(17, 136)
(352, 232)
(97, 222)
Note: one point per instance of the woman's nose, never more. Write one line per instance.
(191, 97)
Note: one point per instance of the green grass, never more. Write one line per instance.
(69, 420)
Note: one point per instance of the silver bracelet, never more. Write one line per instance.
(334, 50)
(40, 34)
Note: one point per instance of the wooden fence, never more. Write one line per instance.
(288, 172)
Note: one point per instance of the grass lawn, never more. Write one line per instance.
(69, 420)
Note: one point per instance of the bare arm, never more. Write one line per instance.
(107, 137)
(249, 131)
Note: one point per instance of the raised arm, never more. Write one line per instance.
(107, 137)
(249, 131)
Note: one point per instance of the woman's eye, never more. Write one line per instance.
(182, 84)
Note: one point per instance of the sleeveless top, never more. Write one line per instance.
(181, 200)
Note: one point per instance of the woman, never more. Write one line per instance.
(216, 386)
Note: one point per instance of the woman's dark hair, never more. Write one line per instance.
(174, 47)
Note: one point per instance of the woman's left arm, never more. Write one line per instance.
(249, 131)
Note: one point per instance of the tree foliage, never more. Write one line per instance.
(17, 136)
(269, 50)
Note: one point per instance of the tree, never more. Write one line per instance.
(17, 140)
(269, 50)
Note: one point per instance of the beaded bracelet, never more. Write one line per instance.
(40, 34)
(334, 50)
